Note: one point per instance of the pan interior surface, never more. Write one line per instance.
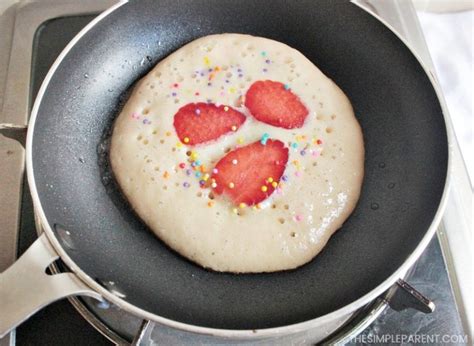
(394, 101)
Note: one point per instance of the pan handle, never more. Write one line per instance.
(25, 287)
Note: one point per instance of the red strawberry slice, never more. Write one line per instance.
(275, 104)
(197, 123)
(246, 174)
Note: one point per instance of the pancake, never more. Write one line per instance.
(170, 181)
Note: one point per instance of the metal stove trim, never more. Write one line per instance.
(238, 334)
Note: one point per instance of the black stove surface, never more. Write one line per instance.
(61, 324)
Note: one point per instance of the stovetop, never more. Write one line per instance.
(60, 323)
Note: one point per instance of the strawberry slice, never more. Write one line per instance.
(197, 123)
(250, 174)
(275, 104)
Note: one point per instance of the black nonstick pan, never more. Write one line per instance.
(101, 240)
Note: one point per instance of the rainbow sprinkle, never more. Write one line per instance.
(264, 138)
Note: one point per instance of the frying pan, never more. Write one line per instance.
(112, 254)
